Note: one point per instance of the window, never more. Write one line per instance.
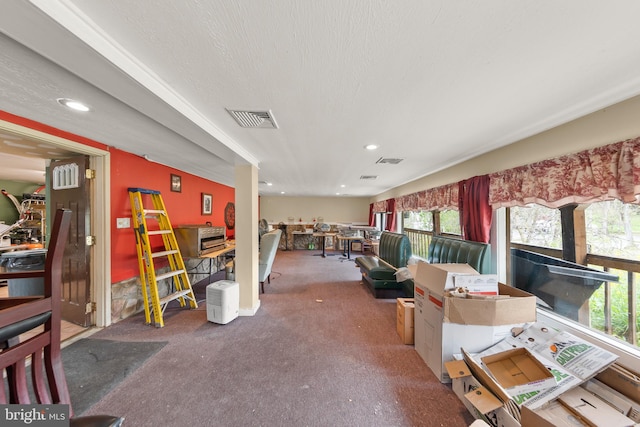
(610, 235)
(420, 220)
(536, 225)
(420, 226)
(450, 222)
(613, 229)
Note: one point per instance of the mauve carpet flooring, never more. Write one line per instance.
(320, 351)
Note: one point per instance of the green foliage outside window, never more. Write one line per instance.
(450, 222)
(612, 230)
(421, 220)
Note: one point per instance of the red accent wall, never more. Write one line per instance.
(129, 170)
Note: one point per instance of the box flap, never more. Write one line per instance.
(457, 369)
(438, 277)
(483, 400)
(413, 268)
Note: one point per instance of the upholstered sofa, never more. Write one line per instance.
(268, 248)
(378, 272)
(447, 250)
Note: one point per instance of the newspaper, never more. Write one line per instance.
(570, 359)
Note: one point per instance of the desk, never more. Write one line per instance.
(230, 245)
(347, 240)
(324, 237)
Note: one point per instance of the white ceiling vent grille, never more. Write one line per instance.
(389, 160)
(368, 176)
(254, 119)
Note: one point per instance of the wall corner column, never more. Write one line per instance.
(246, 234)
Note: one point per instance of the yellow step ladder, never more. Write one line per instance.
(146, 242)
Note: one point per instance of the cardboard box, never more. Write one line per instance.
(623, 380)
(518, 371)
(472, 393)
(405, 320)
(570, 359)
(614, 398)
(552, 415)
(519, 307)
(445, 324)
(484, 405)
(593, 410)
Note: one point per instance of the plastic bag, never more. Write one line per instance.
(403, 274)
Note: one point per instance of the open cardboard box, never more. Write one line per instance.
(480, 402)
(444, 324)
(438, 279)
(518, 371)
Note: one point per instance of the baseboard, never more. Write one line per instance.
(249, 311)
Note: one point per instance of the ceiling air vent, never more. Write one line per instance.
(254, 119)
(389, 161)
(368, 176)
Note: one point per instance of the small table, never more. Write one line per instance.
(230, 245)
(347, 241)
(324, 237)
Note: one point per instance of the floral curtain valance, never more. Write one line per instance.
(439, 198)
(380, 206)
(603, 173)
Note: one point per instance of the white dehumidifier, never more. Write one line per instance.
(223, 301)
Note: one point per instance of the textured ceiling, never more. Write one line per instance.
(431, 82)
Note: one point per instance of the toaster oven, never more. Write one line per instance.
(197, 240)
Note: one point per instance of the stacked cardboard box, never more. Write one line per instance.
(404, 323)
(444, 324)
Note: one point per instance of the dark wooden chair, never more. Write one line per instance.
(42, 315)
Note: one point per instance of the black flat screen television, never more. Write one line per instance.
(560, 285)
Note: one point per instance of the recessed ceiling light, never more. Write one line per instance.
(371, 146)
(342, 186)
(282, 192)
(73, 104)
(269, 183)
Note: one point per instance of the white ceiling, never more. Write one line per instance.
(431, 82)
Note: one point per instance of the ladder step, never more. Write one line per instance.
(163, 253)
(156, 232)
(154, 211)
(174, 296)
(169, 274)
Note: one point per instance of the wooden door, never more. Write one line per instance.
(69, 188)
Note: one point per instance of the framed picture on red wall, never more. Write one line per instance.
(176, 183)
(207, 204)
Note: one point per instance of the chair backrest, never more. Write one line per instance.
(269, 246)
(395, 249)
(447, 250)
(22, 314)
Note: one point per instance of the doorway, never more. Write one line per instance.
(24, 138)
